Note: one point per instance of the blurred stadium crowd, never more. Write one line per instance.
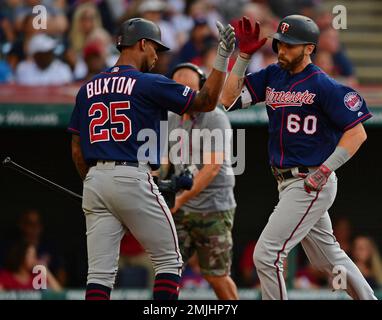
(79, 43)
(79, 38)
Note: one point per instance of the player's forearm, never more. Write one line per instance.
(77, 157)
(346, 148)
(201, 181)
(208, 96)
(81, 167)
(353, 138)
(232, 89)
(348, 145)
(235, 81)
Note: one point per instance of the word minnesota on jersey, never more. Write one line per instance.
(110, 85)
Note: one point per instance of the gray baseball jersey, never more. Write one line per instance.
(208, 200)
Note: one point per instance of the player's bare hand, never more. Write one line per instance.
(317, 179)
(226, 39)
(248, 36)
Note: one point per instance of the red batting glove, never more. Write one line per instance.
(248, 37)
(317, 179)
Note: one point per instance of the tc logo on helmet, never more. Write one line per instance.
(284, 27)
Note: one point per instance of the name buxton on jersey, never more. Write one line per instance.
(110, 85)
(279, 99)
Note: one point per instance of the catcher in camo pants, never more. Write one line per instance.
(204, 215)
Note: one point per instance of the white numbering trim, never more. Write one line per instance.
(98, 121)
(309, 125)
(293, 123)
(113, 115)
(116, 117)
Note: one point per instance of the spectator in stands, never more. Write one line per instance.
(57, 23)
(342, 230)
(181, 21)
(230, 9)
(208, 57)
(367, 258)
(287, 7)
(323, 17)
(308, 277)
(86, 19)
(153, 10)
(162, 66)
(201, 35)
(324, 60)
(18, 273)
(247, 270)
(5, 71)
(261, 13)
(7, 32)
(30, 231)
(183, 14)
(95, 59)
(43, 68)
(329, 42)
(207, 10)
(109, 50)
(19, 48)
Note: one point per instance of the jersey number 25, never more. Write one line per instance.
(111, 114)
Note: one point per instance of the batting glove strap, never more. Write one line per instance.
(317, 179)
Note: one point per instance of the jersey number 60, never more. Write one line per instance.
(309, 124)
(104, 115)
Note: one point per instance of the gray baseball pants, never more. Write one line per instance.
(302, 217)
(116, 197)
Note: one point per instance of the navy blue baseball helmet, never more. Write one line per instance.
(296, 29)
(133, 30)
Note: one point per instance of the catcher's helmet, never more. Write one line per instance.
(296, 29)
(133, 30)
(193, 67)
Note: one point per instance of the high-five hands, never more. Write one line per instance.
(248, 36)
(226, 39)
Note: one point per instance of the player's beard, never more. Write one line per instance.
(291, 65)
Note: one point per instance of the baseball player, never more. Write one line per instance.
(204, 215)
(315, 126)
(110, 112)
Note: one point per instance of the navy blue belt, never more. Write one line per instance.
(117, 163)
